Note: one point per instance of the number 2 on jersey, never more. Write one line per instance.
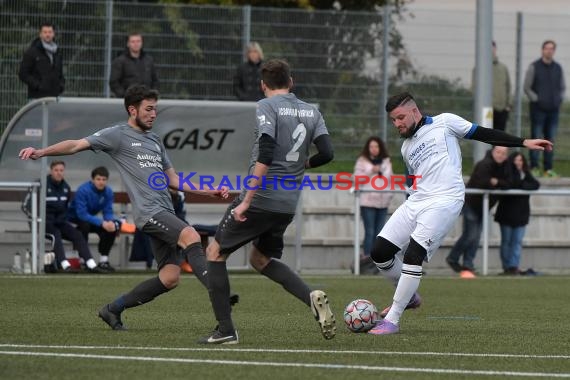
(298, 135)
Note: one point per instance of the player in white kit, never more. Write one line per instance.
(432, 153)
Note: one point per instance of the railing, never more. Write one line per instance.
(486, 193)
(34, 219)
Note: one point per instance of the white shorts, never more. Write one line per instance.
(426, 222)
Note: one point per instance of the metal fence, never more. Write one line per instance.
(336, 56)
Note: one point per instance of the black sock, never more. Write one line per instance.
(144, 292)
(219, 289)
(194, 253)
(291, 282)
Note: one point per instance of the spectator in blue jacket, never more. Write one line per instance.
(91, 198)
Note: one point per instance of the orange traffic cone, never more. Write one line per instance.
(185, 267)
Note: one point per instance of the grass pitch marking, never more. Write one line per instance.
(286, 364)
(289, 351)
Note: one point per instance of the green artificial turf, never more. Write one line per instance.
(491, 327)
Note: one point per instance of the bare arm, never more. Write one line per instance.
(174, 183)
(62, 148)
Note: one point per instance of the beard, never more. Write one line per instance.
(142, 125)
(409, 132)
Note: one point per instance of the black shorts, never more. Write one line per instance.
(264, 228)
(164, 229)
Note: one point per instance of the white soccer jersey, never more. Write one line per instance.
(433, 153)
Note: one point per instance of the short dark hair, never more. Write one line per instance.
(549, 42)
(137, 93)
(47, 24)
(100, 171)
(398, 100)
(276, 74)
(55, 163)
(133, 34)
(383, 151)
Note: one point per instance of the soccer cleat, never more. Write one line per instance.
(384, 327)
(106, 267)
(112, 319)
(323, 314)
(217, 337)
(415, 302)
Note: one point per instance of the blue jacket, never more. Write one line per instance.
(57, 199)
(88, 202)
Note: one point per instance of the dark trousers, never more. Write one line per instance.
(106, 238)
(68, 232)
(500, 119)
(544, 124)
(468, 243)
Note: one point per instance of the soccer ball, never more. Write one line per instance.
(360, 315)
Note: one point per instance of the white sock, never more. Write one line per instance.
(65, 264)
(104, 259)
(391, 269)
(407, 286)
(91, 264)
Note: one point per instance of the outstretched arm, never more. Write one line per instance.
(62, 148)
(500, 138)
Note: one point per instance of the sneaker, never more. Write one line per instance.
(467, 274)
(323, 314)
(551, 174)
(384, 327)
(415, 302)
(112, 319)
(96, 269)
(217, 337)
(106, 267)
(454, 265)
(536, 172)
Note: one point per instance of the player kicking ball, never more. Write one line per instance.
(430, 150)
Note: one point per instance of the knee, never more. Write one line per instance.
(383, 250)
(188, 236)
(170, 281)
(257, 260)
(415, 254)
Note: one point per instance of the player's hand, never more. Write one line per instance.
(239, 212)
(538, 144)
(223, 192)
(29, 153)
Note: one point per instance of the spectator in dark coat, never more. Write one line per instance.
(247, 80)
(42, 65)
(489, 173)
(133, 66)
(513, 212)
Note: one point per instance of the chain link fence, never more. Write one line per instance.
(335, 56)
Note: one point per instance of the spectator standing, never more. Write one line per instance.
(57, 201)
(91, 198)
(42, 65)
(502, 98)
(545, 87)
(374, 160)
(247, 80)
(513, 212)
(489, 173)
(133, 66)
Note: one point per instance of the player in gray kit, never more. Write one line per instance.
(286, 127)
(142, 160)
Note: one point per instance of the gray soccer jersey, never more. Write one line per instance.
(138, 155)
(294, 125)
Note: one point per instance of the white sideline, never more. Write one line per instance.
(285, 364)
(289, 351)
